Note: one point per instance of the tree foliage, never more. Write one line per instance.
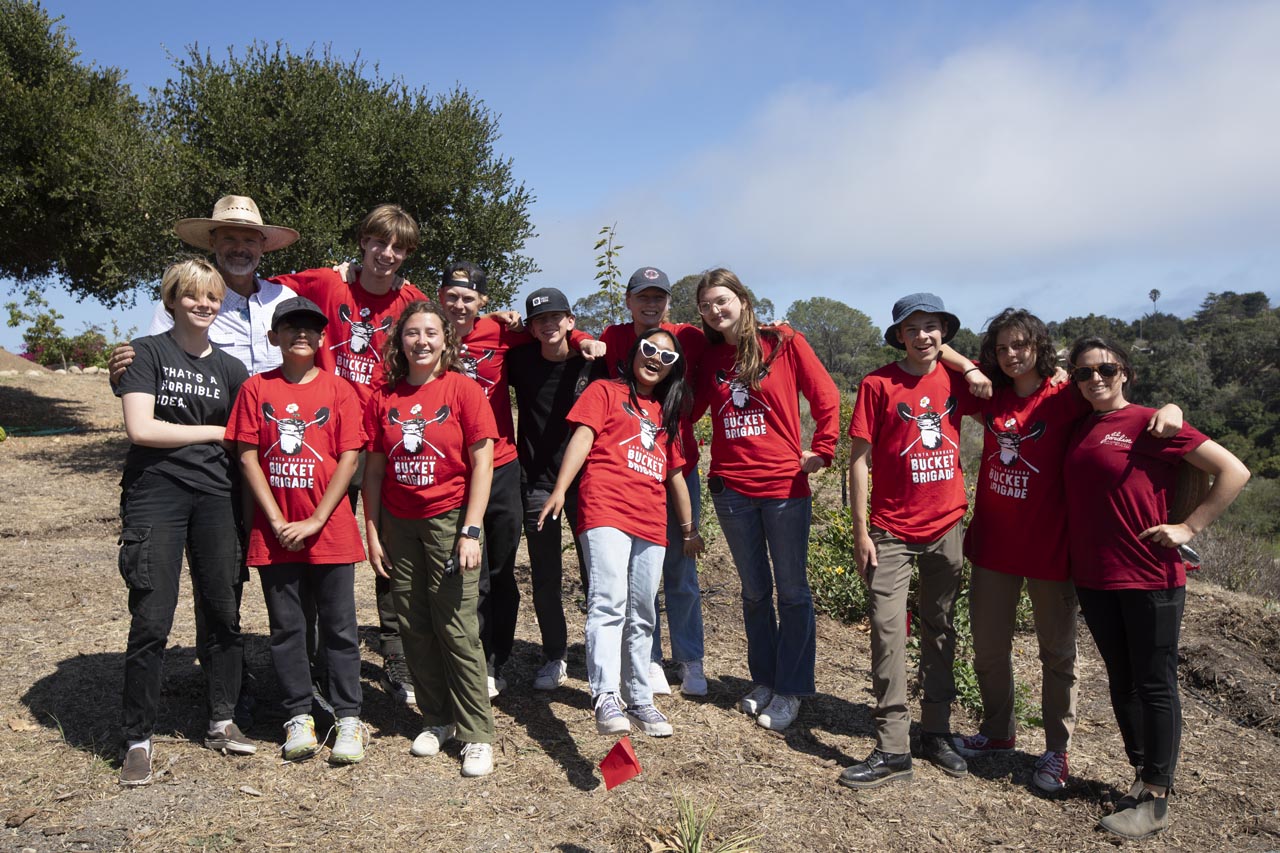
(99, 178)
(845, 340)
(82, 182)
(319, 141)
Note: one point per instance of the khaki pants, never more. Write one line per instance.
(438, 623)
(993, 604)
(940, 562)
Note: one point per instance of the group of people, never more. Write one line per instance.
(269, 405)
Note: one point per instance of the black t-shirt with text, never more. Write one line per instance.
(191, 391)
(545, 392)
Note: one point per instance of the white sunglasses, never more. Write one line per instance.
(666, 356)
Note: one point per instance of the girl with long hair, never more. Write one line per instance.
(426, 483)
(627, 445)
(751, 379)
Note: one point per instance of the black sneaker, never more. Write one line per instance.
(880, 767)
(939, 749)
(396, 680)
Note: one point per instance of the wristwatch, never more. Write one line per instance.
(471, 531)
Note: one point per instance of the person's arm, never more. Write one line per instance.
(864, 550)
(477, 500)
(678, 493)
(260, 490)
(293, 534)
(1166, 422)
(820, 390)
(1229, 476)
(575, 454)
(375, 468)
(590, 348)
(979, 382)
(143, 429)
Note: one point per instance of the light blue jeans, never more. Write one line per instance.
(680, 586)
(780, 649)
(623, 572)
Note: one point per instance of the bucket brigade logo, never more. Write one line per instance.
(359, 344)
(741, 422)
(470, 365)
(646, 459)
(295, 470)
(1004, 479)
(933, 461)
(414, 469)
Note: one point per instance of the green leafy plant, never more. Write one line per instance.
(692, 833)
(47, 344)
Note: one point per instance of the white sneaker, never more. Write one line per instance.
(756, 700)
(693, 681)
(779, 713)
(299, 738)
(431, 739)
(477, 760)
(658, 684)
(552, 674)
(348, 746)
(497, 683)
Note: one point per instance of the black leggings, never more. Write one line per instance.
(1136, 631)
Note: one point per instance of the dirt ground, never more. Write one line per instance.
(63, 625)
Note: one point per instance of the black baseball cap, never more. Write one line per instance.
(295, 306)
(647, 277)
(545, 301)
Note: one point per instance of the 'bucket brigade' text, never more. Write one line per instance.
(415, 472)
(930, 467)
(741, 426)
(354, 368)
(1008, 484)
(287, 474)
(649, 464)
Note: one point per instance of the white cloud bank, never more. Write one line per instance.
(1052, 147)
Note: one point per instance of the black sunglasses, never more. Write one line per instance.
(1107, 370)
(666, 356)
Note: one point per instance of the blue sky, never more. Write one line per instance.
(1066, 157)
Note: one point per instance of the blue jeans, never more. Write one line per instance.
(780, 650)
(623, 573)
(680, 585)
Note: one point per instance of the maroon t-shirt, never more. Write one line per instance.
(1120, 481)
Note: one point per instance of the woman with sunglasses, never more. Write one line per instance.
(1130, 578)
(627, 445)
(751, 379)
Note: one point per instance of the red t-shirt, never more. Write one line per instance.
(358, 326)
(624, 480)
(300, 431)
(913, 425)
(1019, 523)
(620, 338)
(1120, 481)
(756, 438)
(425, 431)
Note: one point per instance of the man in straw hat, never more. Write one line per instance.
(238, 237)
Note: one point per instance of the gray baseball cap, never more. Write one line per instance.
(647, 277)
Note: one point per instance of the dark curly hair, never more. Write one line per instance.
(1034, 330)
(393, 357)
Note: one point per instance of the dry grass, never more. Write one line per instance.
(63, 627)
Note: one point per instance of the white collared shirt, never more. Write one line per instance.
(241, 326)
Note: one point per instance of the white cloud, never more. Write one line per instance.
(1052, 148)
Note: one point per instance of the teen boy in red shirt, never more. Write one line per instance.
(906, 424)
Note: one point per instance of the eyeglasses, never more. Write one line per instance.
(666, 356)
(1107, 370)
(720, 304)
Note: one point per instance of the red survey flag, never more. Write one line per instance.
(620, 764)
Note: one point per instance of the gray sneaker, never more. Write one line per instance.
(610, 720)
(1149, 816)
(651, 721)
(756, 700)
(230, 740)
(136, 769)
